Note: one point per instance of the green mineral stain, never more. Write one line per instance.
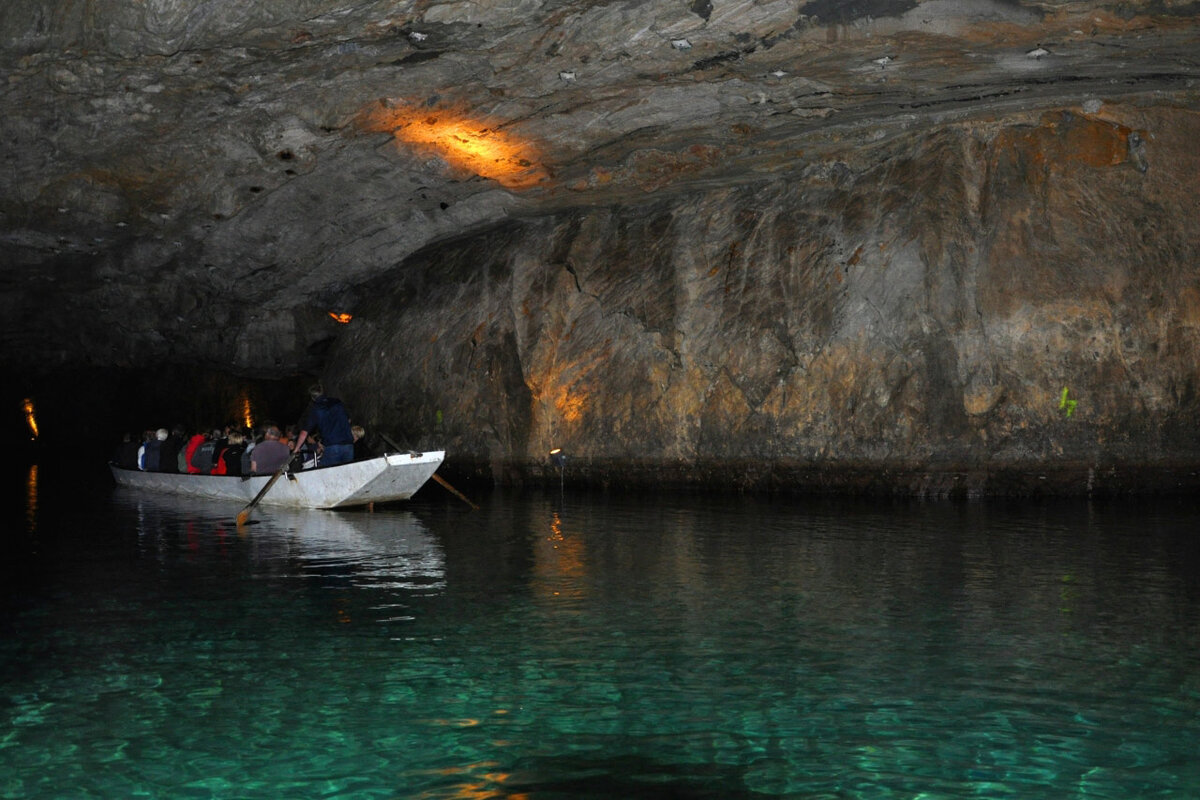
(1066, 404)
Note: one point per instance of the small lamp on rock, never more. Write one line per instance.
(559, 459)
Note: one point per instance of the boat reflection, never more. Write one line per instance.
(382, 550)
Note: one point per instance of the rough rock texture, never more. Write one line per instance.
(918, 307)
(871, 239)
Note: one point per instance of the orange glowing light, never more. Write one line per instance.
(464, 141)
(342, 318)
(30, 418)
(247, 418)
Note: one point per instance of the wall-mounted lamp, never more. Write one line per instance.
(558, 458)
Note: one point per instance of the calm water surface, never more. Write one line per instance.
(597, 646)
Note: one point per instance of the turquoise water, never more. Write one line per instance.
(598, 646)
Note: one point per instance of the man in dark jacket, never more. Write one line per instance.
(151, 462)
(126, 455)
(169, 458)
(327, 416)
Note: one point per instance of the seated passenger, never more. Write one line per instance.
(229, 459)
(270, 454)
(151, 461)
(203, 456)
(361, 451)
(126, 455)
(190, 451)
(172, 448)
(253, 437)
(309, 453)
(147, 438)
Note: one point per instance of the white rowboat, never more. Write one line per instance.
(395, 476)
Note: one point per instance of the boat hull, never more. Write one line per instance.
(396, 476)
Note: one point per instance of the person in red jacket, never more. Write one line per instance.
(190, 451)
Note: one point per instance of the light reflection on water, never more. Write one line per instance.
(604, 647)
(31, 499)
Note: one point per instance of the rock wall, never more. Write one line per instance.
(993, 306)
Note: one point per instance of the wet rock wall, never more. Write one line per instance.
(1007, 305)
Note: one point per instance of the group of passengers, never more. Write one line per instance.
(324, 437)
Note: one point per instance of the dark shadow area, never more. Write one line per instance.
(88, 410)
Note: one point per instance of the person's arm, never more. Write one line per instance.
(307, 423)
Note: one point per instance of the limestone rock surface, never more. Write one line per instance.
(959, 304)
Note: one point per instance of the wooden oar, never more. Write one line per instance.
(435, 476)
(244, 514)
(454, 491)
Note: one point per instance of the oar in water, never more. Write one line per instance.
(454, 491)
(244, 514)
(435, 476)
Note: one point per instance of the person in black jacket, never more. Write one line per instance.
(361, 451)
(327, 416)
(126, 454)
(168, 459)
(228, 460)
(150, 460)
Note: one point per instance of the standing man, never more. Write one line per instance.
(327, 416)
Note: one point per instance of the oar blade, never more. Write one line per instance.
(244, 514)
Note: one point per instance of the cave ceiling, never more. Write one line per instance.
(183, 176)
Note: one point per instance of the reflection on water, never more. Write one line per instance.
(31, 499)
(603, 647)
(388, 550)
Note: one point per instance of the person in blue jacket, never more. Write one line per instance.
(327, 416)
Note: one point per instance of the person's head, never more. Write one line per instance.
(357, 432)
(272, 433)
(236, 438)
(316, 390)
(161, 434)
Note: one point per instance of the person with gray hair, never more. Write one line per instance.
(152, 460)
(270, 455)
